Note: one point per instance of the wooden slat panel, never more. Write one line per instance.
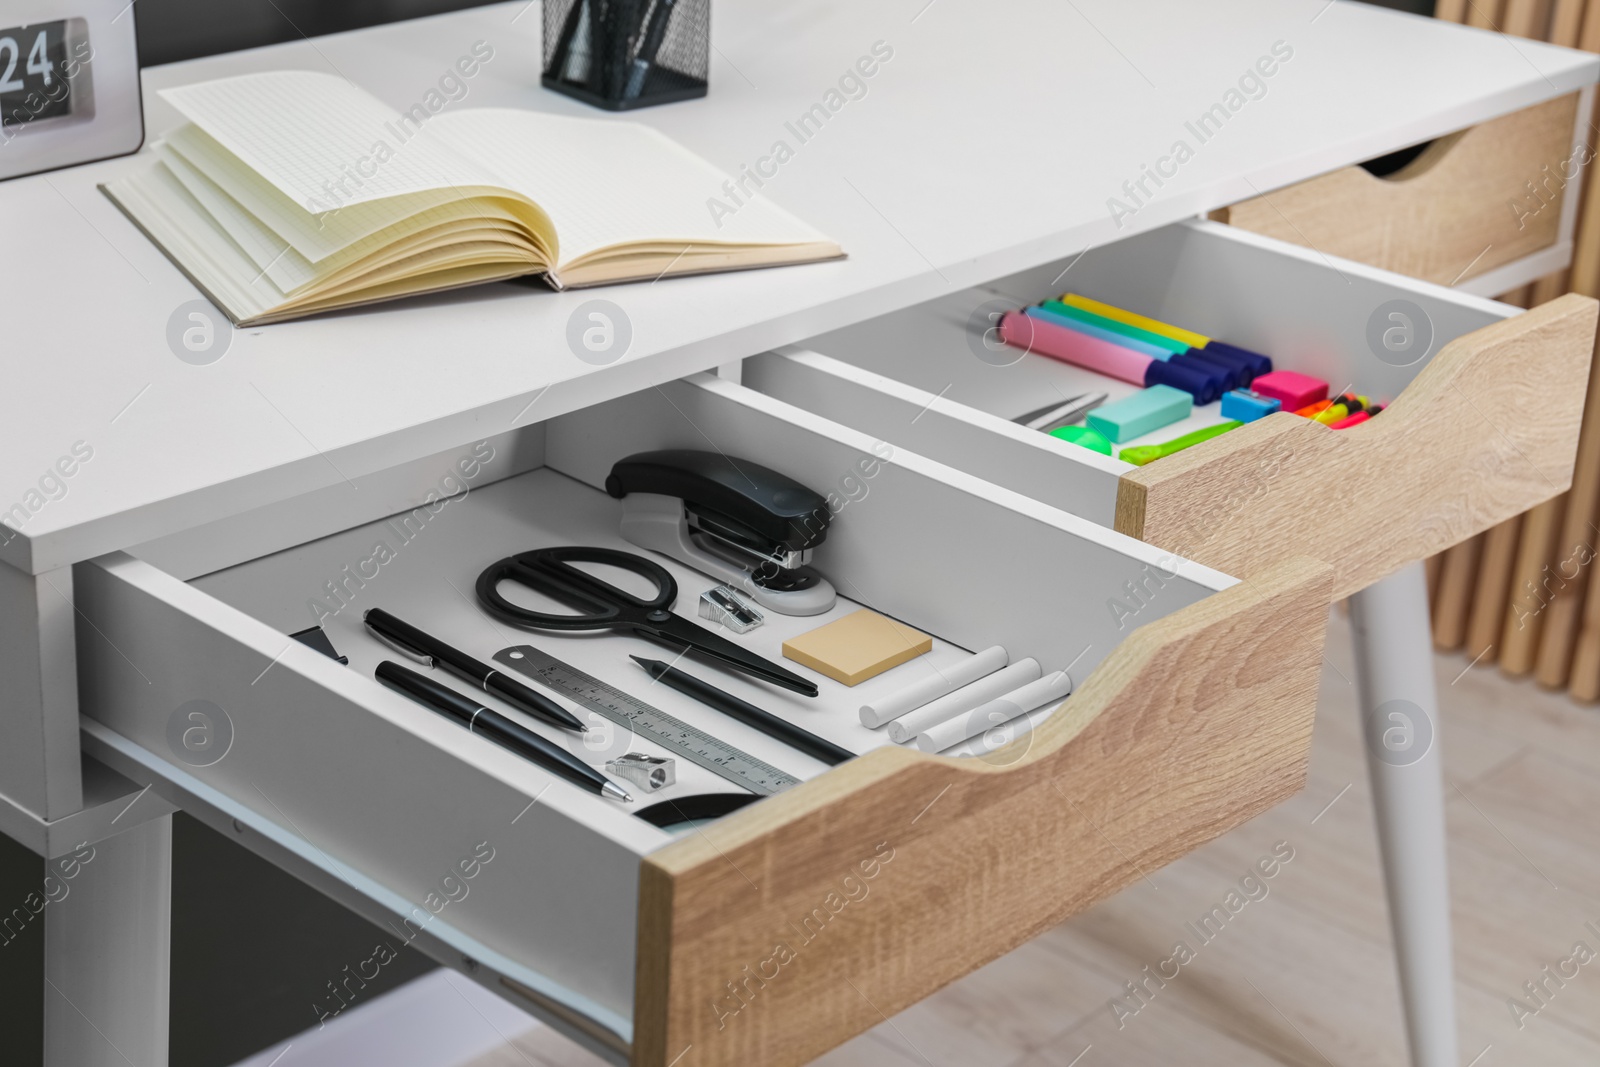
(1527, 18)
(1489, 595)
(1457, 581)
(1485, 14)
(1584, 683)
(1566, 22)
(1519, 641)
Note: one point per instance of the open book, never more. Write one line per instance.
(293, 192)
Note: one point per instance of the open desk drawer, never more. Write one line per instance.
(1483, 424)
(898, 870)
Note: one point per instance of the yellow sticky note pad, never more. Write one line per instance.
(857, 647)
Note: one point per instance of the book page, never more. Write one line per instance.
(273, 256)
(332, 239)
(322, 142)
(607, 183)
(315, 236)
(179, 225)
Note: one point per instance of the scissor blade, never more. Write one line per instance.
(680, 632)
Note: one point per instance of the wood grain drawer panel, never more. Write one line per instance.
(1473, 201)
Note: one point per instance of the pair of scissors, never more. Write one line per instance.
(550, 571)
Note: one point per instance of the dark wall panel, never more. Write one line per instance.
(170, 30)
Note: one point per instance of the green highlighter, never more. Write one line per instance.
(1139, 455)
(1082, 435)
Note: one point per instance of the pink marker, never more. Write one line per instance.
(1058, 342)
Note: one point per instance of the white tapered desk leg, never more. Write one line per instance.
(106, 953)
(1400, 712)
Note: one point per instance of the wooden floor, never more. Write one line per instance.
(1302, 974)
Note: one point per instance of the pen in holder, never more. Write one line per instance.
(623, 54)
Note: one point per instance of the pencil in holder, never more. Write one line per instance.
(625, 54)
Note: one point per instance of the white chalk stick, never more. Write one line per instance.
(942, 681)
(995, 739)
(1015, 704)
(954, 705)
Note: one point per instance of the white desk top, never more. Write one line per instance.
(989, 143)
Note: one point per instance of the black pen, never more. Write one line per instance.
(489, 723)
(651, 35)
(431, 651)
(747, 713)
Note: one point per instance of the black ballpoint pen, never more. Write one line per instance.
(486, 722)
(427, 649)
(651, 34)
(816, 747)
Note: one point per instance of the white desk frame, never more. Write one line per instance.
(912, 178)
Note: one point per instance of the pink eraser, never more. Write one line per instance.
(1069, 346)
(1292, 389)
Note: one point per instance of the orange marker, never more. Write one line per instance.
(1311, 409)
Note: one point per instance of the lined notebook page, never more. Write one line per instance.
(271, 255)
(307, 132)
(317, 237)
(607, 183)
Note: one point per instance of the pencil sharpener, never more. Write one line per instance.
(724, 605)
(649, 773)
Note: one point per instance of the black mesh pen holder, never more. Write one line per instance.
(623, 54)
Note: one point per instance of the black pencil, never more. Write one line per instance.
(747, 713)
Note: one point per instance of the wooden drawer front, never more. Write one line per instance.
(1483, 424)
(585, 910)
(1471, 202)
(791, 926)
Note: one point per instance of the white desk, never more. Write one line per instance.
(915, 180)
(989, 143)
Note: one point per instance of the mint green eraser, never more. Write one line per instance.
(1139, 414)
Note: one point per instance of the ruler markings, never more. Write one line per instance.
(671, 733)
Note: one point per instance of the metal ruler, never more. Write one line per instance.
(652, 724)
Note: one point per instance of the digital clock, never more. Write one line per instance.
(69, 84)
(38, 79)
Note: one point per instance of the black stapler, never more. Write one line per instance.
(730, 518)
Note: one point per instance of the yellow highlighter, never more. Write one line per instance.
(1143, 322)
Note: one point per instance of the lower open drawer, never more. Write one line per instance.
(1483, 424)
(776, 932)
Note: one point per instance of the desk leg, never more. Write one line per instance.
(39, 760)
(106, 952)
(1400, 710)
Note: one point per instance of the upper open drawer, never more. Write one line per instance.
(1192, 713)
(1483, 424)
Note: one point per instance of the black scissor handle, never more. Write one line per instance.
(550, 571)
